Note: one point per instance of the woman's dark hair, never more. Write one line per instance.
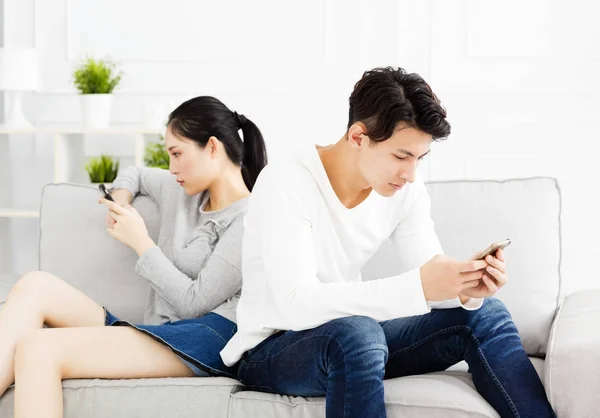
(202, 117)
(384, 97)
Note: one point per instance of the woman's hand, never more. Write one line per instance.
(121, 197)
(127, 226)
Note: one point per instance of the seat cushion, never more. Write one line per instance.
(149, 398)
(445, 394)
(470, 215)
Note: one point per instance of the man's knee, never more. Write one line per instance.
(359, 337)
(492, 319)
(493, 308)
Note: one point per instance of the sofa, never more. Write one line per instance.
(561, 334)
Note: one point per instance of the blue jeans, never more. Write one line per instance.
(347, 360)
(197, 341)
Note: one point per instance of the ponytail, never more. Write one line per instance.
(255, 152)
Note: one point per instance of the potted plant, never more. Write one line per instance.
(155, 154)
(103, 169)
(95, 80)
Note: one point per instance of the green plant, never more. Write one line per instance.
(155, 154)
(102, 169)
(96, 76)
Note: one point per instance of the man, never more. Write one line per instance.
(307, 323)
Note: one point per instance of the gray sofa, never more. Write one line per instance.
(561, 336)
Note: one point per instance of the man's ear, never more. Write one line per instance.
(357, 134)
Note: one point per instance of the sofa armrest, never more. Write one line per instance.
(572, 379)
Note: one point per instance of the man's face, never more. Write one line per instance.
(387, 166)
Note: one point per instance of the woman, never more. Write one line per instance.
(194, 272)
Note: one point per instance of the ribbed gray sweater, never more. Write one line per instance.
(196, 266)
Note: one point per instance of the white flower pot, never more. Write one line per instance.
(96, 110)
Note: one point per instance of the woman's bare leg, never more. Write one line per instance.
(47, 356)
(40, 298)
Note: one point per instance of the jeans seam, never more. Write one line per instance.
(480, 354)
(249, 360)
(214, 332)
(497, 382)
(345, 374)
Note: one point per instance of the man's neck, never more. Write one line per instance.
(340, 164)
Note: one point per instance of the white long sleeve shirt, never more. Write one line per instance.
(303, 252)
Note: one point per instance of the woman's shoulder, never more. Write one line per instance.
(230, 215)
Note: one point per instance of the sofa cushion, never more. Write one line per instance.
(75, 246)
(470, 215)
(445, 394)
(149, 398)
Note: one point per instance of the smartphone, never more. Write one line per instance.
(107, 195)
(492, 249)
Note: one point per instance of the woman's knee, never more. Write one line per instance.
(33, 284)
(36, 351)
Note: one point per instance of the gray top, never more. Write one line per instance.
(196, 266)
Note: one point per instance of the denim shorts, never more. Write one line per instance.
(196, 341)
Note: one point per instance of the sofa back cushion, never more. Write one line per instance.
(470, 215)
(75, 246)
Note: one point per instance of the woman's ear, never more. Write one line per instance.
(212, 146)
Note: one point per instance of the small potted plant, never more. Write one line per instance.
(95, 80)
(103, 169)
(155, 154)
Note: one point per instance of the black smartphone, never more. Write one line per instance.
(107, 195)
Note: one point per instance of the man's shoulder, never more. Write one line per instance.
(287, 173)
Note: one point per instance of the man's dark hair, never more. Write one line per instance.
(384, 97)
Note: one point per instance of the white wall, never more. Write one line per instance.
(519, 80)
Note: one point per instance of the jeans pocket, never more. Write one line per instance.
(262, 351)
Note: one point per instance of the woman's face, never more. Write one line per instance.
(195, 167)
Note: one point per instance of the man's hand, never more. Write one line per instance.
(445, 278)
(493, 278)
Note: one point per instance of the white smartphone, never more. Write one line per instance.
(500, 245)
